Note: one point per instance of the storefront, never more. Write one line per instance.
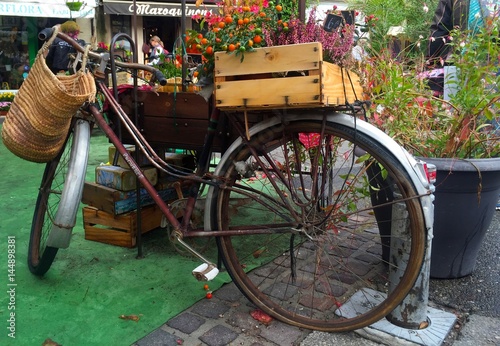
(20, 22)
(154, 18)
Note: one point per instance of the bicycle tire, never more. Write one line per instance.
(59, 197)
(334, 226)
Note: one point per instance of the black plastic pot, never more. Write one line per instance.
(467, 192)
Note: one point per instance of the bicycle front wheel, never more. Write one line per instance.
(321, 198)
(59, 196)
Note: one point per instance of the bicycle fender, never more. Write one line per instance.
(413, 167)
(65, 219)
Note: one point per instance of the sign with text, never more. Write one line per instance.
(31, 9)
(155, 9)
(332, 22)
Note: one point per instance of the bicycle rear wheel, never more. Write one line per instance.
(325, 195)
(59, 196)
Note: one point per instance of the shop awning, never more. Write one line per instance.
(155, 9)
(47, 9)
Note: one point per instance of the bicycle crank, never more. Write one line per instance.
(199, 244)
(207, 270)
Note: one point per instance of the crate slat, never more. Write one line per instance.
(293, 57)
(109, 236)
(268, 93)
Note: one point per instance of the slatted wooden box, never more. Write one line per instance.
(173, 120)
(123, 179)
(118, 202)
(119, 230)
(290, 76)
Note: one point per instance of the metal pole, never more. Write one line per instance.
(302, 10)
(135, 56)
(183, 35)
(136, 153)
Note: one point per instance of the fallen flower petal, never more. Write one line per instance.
(261, 316)
(130, 317)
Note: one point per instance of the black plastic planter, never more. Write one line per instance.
(467, 193)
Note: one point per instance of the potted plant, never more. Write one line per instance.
(74, 5)
(456, 134)
(6, 99)
(4, 107)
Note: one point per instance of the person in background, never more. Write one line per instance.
(156, 50)
(449, 14)
(458, 14)
(60, 50)
(17, 77)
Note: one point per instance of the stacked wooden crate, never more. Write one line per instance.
(282, 77)
(111, 213)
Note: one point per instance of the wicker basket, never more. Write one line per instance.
(39, 118)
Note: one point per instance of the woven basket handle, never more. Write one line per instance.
(85, 57)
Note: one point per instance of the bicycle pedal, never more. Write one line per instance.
(205, 272)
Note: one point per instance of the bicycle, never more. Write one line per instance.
(301, 205)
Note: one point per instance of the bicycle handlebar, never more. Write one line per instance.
(157, 74)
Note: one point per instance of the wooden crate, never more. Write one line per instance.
(123, 179)
(118, 230)
(118, 202)
(174, 120)
(282, 77)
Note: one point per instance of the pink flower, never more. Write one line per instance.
(5, 106)
(335, 44)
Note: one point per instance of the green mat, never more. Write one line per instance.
(90, 285)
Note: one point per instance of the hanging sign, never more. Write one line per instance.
(31, 9)
(155, 9)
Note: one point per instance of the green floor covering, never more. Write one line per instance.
(90, 285)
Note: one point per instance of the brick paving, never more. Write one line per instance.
(226, 320)
(223, 320)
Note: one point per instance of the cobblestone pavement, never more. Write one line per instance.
(225, 319)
